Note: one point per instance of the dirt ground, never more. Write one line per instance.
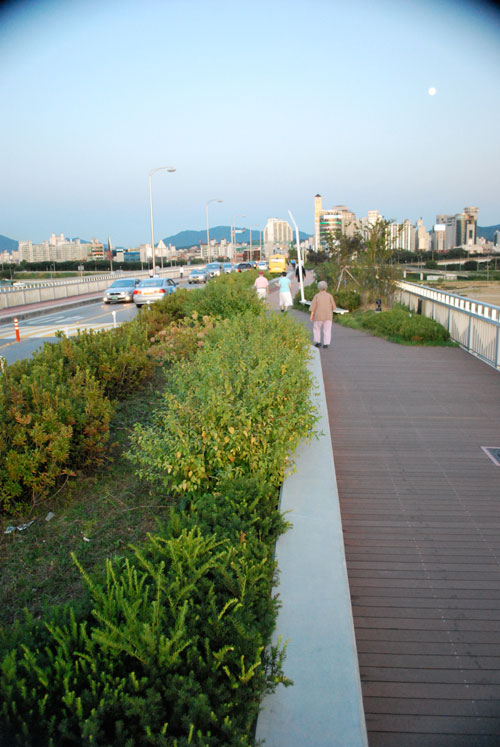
(478, 290)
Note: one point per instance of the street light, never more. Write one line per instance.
(170, 169)
(233, 230)
(299, 262)
(208, 232)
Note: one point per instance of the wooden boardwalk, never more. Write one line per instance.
(420, 504)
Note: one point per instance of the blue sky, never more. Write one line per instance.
(261, 104)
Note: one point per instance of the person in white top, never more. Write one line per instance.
(261, 285)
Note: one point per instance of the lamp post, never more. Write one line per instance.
(208, 232)
(170, 169)
(233, 230)
(297, 239)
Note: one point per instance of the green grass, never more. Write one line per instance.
(398, 325)
(111, 507)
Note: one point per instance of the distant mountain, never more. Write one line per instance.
(185, 239)
(487, 232)
(7, 244)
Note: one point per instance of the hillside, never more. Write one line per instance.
(487, 232)
(7, 244)
(185, 239)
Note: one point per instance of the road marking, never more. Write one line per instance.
(67, 329)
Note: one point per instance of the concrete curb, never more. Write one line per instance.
(324, 707)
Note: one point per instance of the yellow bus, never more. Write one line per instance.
(277, 263)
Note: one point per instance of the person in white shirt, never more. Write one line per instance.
(261, 285)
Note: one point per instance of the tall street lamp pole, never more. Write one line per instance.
(170, 169)
(299, 261)
(233, 232)
(208, 232)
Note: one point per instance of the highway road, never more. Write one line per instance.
(35, 331)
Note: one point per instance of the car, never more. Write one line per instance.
(213, 269)
(262, 265)
(228, 267)
(198, 276)
(121, 290)
(153, 289)
(19, 284)
(242, 266)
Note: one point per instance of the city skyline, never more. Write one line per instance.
(384, 107)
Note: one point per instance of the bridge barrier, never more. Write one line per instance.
(475, 325)
(35, 292)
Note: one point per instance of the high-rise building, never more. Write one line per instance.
(460, 228)
(337, 218)
(423, 239)
(402, 236)
(366, 224)
(277, 233)
(438, 240)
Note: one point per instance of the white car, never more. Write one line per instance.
(262, 265)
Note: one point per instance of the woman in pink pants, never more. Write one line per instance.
(322, 307)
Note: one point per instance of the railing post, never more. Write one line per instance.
(469, 332)
(497, 361)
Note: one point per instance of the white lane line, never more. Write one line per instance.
(50, 331)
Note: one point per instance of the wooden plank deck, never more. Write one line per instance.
(420, 504)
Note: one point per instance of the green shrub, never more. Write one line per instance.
(399, 324)
(238, 408)
(345, 298)
(225, 297)
(171, 646)
(174, 652)
(51, 422)
(117, 358)
(180, 340)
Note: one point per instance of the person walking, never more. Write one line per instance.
(322, 307)
(181, 272)
(297, 275)
(261, 285)
(285, 292)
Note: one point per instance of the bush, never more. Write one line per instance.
(51, 422)
(237, 409)
(345, 298)
(399, 324)
(173, 653)
(170, 648)
(225, 297)
(116, 358)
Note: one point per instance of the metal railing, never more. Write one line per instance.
(35, 292)
(475, 325)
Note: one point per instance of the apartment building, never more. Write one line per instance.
(328, 221)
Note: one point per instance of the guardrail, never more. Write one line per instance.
(475, 325)
(58, 289)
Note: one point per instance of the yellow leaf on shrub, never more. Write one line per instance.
(178, 455)
(231, 429)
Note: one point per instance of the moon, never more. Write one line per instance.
(432, 91)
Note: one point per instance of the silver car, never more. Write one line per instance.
(198, 276)
(153, 289)
(121, 290)
(213, 269)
